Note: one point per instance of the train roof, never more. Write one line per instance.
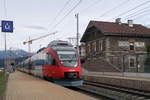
(60, 48)
(61, 45)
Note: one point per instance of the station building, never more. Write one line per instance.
(116, 46)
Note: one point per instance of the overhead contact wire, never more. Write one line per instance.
(138, 13)
(119, 5)
(134, 14)
(60, 21)
(94, 3)
(60, 12)
(132, 9)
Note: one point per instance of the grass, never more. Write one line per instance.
(3, 82)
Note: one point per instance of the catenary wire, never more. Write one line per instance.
(68, 1)
(60, 21)
(132, 9)
(114, 8)
(141, 15)
(137, 13)
(91, 5)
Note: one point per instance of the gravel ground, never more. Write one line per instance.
(25, 87)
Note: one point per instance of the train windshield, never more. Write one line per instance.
(68, 58)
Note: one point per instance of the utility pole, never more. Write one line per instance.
(7, 26)
(5, 42)
(77, 45)
(40, 45)
(72, 40)
(29, 47)
(5, 57)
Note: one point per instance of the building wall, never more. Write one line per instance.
(116, 50)
(95, 47)
(125, 53)
(82, 51)
(114, 44)
(119, 53)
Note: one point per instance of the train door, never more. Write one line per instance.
(51, 67)
(55, 68)
(29, 66)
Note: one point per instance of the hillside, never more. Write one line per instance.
(19, 55)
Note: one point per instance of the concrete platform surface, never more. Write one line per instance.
(25, 87)
(127, 82)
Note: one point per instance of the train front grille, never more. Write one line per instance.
(71, 75)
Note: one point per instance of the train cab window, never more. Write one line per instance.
(49, 59)
(54, 62)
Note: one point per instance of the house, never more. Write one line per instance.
(82, 51)
(122, 45)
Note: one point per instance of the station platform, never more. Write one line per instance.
(139, 81)
(22, 86)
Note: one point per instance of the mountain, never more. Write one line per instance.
(18, 54)
(14, 54)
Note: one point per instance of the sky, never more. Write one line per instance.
(35, 18)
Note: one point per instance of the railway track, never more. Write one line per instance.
(89, 92)
(114, 92)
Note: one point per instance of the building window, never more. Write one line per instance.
(123, 44)
(139, 44)
(100, 45)
(131, 46)
(89, 49)
(94, 46)
(132, 62)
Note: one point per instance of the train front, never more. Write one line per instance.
(70, 67)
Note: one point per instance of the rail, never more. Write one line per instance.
(115, 92)
(121, 74)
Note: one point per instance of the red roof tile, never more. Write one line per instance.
(123, 28)
(112, 28)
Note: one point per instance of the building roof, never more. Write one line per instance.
(113, 29)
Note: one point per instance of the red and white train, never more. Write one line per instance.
(57, 62)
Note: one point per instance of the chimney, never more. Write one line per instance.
(130, 23)
(118, 20)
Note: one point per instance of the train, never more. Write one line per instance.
(59, 62)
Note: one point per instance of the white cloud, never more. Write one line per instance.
(36, 27)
